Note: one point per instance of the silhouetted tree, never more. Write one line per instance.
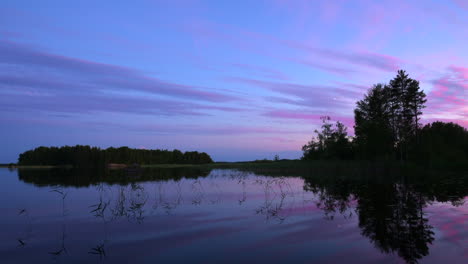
(329, 143)
(387, 119)
(373, 126)
(406, 103)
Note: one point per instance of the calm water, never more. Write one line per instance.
(230, 216)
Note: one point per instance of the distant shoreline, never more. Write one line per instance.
(15, 166)
(258, 164)
(222, 164)
(118, 166)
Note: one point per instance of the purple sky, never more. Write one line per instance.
(240, 80)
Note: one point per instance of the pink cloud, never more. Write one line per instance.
(461, 3)
(460, 72)
(449, 98)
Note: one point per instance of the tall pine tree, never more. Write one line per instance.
(406, 103)
(387, 119)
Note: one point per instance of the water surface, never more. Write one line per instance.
(230, 216)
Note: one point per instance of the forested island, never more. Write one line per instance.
(387, 128)
(91, 157)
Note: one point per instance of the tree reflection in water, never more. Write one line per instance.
(389, 207)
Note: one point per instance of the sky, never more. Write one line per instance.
(240, 80)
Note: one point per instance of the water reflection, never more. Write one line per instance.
(389, 208)
(86, 178)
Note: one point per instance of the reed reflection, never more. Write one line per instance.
(61, 249)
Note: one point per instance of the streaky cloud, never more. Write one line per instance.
(314, 96)
(251, 41)
(89, 104)
(95, 75)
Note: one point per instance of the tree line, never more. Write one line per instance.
(387, 127)
(90, 157)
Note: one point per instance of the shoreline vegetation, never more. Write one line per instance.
(282, 165)
(334, 172)
(387, 130)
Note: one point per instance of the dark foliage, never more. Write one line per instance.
(387, 119)
(329, 143)
(441, 142)
(374, 138)
(92, 157)
(387, 127)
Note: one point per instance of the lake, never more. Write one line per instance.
(232, 216)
